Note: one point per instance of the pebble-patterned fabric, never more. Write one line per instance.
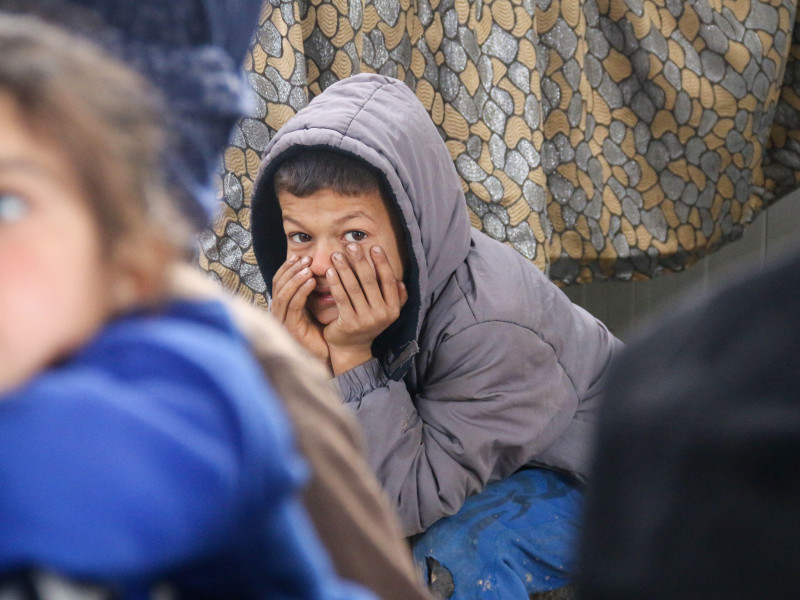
(602, 139)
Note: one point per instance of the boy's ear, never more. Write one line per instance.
(139, 272)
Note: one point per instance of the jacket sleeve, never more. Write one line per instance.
(494, 397)
(101, 478)
(115, 481)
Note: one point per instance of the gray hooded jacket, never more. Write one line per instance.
(490, 367)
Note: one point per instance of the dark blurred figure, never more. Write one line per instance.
(696, 490)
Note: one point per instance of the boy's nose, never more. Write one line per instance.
(321, 260)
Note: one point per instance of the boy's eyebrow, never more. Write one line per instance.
(353, 215)
(343, 219)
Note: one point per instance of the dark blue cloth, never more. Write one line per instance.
(515, 538)
(158, 453)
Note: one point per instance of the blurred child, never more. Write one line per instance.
(474, 377)
(141, 445)
(192, 51)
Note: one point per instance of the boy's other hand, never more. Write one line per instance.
(291, 287)
(369, 298)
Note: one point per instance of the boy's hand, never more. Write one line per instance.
(368, 299)
(291, 287)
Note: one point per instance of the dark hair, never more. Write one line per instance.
(314, 169)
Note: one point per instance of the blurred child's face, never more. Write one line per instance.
(54, 278)
(326, 222)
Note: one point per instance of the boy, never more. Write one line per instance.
(463, 363)
(142, 450)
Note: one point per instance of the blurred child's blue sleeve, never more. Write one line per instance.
(111, 479)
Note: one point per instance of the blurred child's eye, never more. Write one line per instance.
(355, 236)
(300, 238)
(12, 207)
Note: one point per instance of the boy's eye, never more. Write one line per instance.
(13, 208)
(299, 238)
(355, 236)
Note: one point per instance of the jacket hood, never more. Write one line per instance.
(380, 121)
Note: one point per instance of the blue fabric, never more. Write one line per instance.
(158, 452)
(515, 538)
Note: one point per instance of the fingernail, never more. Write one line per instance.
(303, 271)
(293, 259)
(338, 256)
(352, 247)
(377, 249)
(329, 272)
(305, 260)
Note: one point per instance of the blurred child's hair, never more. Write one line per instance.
(314, 169)
(107, 122)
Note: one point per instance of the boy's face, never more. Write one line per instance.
(54, 278)
(326, 222)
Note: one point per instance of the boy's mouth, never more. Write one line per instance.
(323, 296)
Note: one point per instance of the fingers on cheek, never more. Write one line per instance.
(379, 257)
(299, 265)
(377, 254)
(304, 289)
(382, 266)
(288, 266)
(339, 262)
(337, 290)
(348, 266)
(307, 287)
(334, 283)
(293, 285)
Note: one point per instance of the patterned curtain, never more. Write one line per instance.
(602, 139)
